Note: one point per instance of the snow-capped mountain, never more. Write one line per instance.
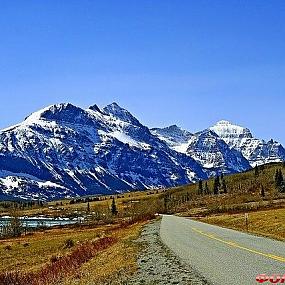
(64, 150)
(256, 151)
(205, 147)
(208, 149)
(214, 154)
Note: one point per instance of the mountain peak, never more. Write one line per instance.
(173, 135)
(95, 108)
(120, 113)
(58, 112)
(93, 153)
(207, 133)
(173, 128)
(213, 153)
(114, 106)
(223, 123)
(226, 129)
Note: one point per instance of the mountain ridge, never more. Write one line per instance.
(63, 150)
(84, 152)
(256, 151)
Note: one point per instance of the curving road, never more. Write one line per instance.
(223, 256)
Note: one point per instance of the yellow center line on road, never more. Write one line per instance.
(233, 244)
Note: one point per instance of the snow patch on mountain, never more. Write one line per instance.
(173, 136)
(65, 150)
(182, 147)
(256, 151)
(228, 131)
(213, 153)
(205, 147)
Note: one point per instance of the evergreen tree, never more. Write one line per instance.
(187, 197)
(282, 188)
(165, 202)
(224, 186)
(114, 207)
(279, 179)
(256, 171)
(262, 192)
(276, 177)
(200, 187)
(207, 190)
(216, 185)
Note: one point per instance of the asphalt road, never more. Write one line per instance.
(223, 256)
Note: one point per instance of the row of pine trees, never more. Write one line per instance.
(279, 181)
(219, 186)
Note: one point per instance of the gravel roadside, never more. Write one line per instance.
(158, 265)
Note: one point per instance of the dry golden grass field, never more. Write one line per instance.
(65, 208)
(37, 252)
(270, 223)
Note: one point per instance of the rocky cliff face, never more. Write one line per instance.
(256, 151)
(206, 147)
(173, 136)
(214, 154)
(64, 150)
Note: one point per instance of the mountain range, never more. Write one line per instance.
(66, 151)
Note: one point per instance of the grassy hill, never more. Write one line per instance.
(246, 191)
(245, 207)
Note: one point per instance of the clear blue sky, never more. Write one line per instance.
(185, 62)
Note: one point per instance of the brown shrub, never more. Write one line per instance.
(69, 243)
(59, 267)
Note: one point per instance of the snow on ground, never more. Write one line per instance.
(50, 184)
(225, 129)
(10, 182)
(191, 175)
(125, 139)
(182, 147)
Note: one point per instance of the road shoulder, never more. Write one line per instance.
(158, 265)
